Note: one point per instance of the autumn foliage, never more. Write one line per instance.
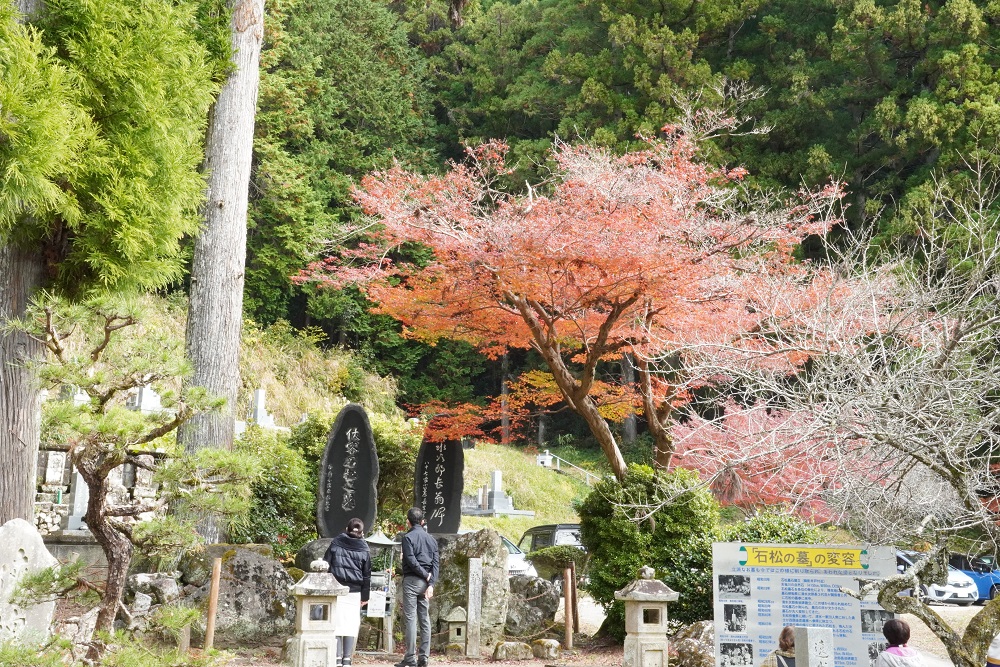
(641, 253)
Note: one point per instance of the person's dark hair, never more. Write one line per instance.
(356, 527)
(415, 516)
(786, 640)
(896, 631)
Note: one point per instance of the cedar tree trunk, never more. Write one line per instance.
(21, 274)
(216, 307)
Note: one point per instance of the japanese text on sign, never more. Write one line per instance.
(808, 557)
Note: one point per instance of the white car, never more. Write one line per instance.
(960, 589)
(517, 561)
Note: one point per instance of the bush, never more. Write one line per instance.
(772, 525)
(551, 561)
(283, 509)
(666, 520)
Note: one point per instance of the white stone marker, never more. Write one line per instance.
(813, 647)
(474, 608)
(21, 552)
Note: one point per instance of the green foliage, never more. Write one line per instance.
(548, 494)
(666, 520)
(52, 583)
(41, 129)
(552, 561)
(160, 541)
(283, 508)
(16, 655)
(772, 524)
(209, 482)
(171, 619)
(342, 93)
(132, 186)
(124, 650)
(301, 377)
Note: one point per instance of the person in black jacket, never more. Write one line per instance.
(351, 564)
(420, 571)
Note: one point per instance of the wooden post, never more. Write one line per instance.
(568, 608)
(576, 606)
(213, 603)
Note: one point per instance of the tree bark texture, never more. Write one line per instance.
(216, 304)
(630, 430)
(116, 545)
(21, 273)
(574, 392)
(657, 417)
(504, 403)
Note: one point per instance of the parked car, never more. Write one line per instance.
(550, 535)
(553, 535)
(983, 570)
(960, 589)
(517, 560)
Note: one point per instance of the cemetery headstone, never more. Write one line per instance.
(438, 484)
(348, 474)
(814, 646)
(22, 552)
(79, 497)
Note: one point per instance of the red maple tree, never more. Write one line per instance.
(638, 253)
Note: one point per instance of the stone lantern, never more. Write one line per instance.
(458, 626)
(646, 601)
(314, 643)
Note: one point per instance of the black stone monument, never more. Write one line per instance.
(438, 484)
(348, 474)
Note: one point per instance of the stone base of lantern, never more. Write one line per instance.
(645, 651)
(311, 651)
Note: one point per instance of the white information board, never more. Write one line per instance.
(760, 588)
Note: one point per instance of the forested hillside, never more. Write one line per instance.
(885, 96)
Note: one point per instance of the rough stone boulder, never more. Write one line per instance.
(22, 552)
(545, 649)
(196, 566)
(254, 596)
(694, 645)
(310, 551)
(162, 588)
(532, 606)
(512, 651)
(452, 589)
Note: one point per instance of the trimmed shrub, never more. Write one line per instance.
(666, 520)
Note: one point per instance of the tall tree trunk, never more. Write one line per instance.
(630, 430)
(658, 417)
(504, 393)
(21, 274)
(216, 307)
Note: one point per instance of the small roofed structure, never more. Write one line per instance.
(315, 640)
(646, 601)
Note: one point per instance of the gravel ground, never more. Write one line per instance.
(588, 653)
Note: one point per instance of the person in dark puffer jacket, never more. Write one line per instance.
(351, 563)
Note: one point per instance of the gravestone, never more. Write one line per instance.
(348, 474)
(79, 498)
(21, 552)
(438, 484)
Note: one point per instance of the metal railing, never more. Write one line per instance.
(556, 463)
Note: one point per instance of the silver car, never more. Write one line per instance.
(960, 589)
